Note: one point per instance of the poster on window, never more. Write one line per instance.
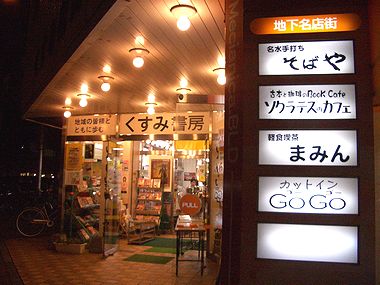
(160, 169)
(74, 156)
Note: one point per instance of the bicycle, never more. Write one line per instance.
(32, 221)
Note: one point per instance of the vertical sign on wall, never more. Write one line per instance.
(303, 208)
(307, 147)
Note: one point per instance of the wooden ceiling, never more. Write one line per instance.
(173, 54)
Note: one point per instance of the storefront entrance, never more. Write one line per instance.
(133, 189)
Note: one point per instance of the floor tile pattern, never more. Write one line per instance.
(38, 264)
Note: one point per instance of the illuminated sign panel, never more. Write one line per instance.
(165, 123)
(305, 24)
(296, 58)
(308, 147)
(91, 125)
(307, 242)
(315, 195)
(307, 102)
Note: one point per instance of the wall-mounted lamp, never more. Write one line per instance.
(83, 99)
(183, 12)
(138, 60)
(67, 113)
(221, 72)
(106, 85)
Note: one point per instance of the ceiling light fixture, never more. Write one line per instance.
(67, 113)
(106, 86)
(151, 110)
(68, 101)
(84, 88)
(107, 68)
(221, 72)
(183, 82)
(183, 90)
(183, 12)
(83, 99)
(151, 104)
(138, 60)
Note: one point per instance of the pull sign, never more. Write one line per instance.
(190, 204)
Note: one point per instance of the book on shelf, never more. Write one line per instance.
(140, 206)
(156, 183)
(147, 182)
(140, 182)
(91, 230)
(85, 201)
(83, 235)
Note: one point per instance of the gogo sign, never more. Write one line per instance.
(317, 202)
(318, 195)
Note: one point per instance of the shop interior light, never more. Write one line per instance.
(84, 88)
(151, 104)
(183, 12)
(138, 60)
(107, 69)
(151, 107)
(221, 72)
(183, 87)
(139, 40)
(67, 113)
(106, 78)
(151, 98)
(183, 83)
(83, 99)
(106, 85)
(68, 101)
(183, 91)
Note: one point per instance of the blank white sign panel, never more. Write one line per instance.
(308, 243)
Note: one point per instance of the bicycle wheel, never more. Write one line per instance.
(31, 222)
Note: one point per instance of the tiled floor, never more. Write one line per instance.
(38, 263)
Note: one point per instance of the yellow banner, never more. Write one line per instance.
(305, 24)
(190, 145)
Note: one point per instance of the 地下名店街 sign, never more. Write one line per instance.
(91, 125)
(314, 195)
(308, 147)
(305, 24)
(296, 58)
(307, 102)
(165, 123)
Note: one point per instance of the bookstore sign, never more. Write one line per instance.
(165, 123)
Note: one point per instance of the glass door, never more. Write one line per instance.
(112, 197)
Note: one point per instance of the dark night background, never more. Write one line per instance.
(20, 139)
